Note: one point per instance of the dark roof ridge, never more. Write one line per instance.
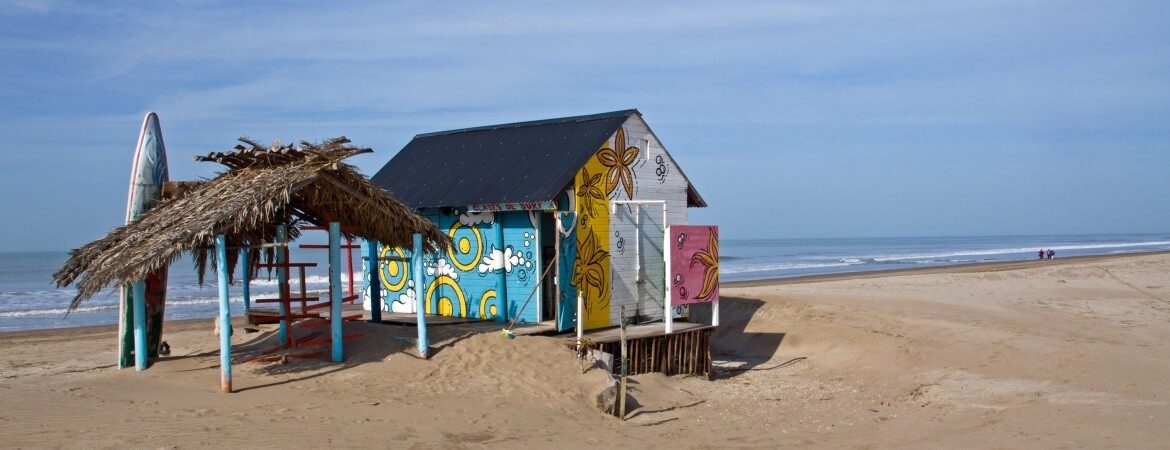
(584, 118)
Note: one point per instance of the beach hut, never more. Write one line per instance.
(559, 221)
(267, 196)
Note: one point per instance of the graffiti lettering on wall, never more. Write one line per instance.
(519, 206)
(662, 170)
(694, 264)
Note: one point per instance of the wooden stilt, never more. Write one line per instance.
(690, 353)
(710, 375)
(246, 280)
(416, 270)
(225, 321)
(625, 371)
(338, 342)
(671, 350)
(373, 278)
(139, 308)
(282, 282)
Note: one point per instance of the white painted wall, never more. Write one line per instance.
(656, 178)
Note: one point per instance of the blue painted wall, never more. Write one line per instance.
(490, 272)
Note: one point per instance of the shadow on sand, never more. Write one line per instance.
(365, 343)
(734, 349)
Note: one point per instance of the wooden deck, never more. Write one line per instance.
(687, 350)
(532, 329)
(639, 331)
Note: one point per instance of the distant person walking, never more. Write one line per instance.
(1051, 253)
(1040, 253)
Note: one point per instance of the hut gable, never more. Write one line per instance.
(642, 188)
(262, 189)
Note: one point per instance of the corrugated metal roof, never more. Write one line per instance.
(507, 163)
(516, 162)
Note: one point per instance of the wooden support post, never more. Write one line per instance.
(580, 319)
(502, 281)
(282, 282)
(556, 271)
(374, 279)
(225, 320)
(304, 289)
(625, 369)
(668, 294)
(140, 352)
(335, 290)
(669, 348)
(416, 271)
(349, 265)
(246, 279)
(710, 375)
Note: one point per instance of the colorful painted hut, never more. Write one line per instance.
(538, 213)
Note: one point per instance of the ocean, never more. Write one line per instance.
(29, 301)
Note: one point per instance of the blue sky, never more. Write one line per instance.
(801, 119)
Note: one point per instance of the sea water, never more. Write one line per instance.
(28, 300)
(776, 258)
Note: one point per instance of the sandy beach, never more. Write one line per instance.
(1062, 353)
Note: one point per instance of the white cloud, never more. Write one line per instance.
(441, 268)
(506, 259)
(470, 219)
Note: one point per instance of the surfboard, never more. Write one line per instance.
(147, 174)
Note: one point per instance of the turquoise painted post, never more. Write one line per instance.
(374, 278)
(335, 289)
(245, 276)
(225, 319)
(140, 325)
(282, 280)
(502, 281)
(416, 270)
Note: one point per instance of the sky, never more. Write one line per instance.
(793, 119)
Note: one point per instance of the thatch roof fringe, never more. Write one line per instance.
(263, 188)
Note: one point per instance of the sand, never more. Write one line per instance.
(1063, 353)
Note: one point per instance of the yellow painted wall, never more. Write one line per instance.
(591, 269)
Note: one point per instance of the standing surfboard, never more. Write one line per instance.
(147, 175)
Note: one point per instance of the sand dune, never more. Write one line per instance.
(1047, 354)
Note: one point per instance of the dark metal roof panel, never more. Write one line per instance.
(517, 162)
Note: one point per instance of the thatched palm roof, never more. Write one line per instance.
(263, 187)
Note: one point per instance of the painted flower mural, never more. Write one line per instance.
(709, 259)
(590, 192)
(589, 275)
(617, 163)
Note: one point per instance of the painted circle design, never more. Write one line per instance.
(459, 234)
(444, 280)
(394, 274)
(485, 311)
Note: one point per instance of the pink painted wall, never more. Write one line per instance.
(694, 264)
